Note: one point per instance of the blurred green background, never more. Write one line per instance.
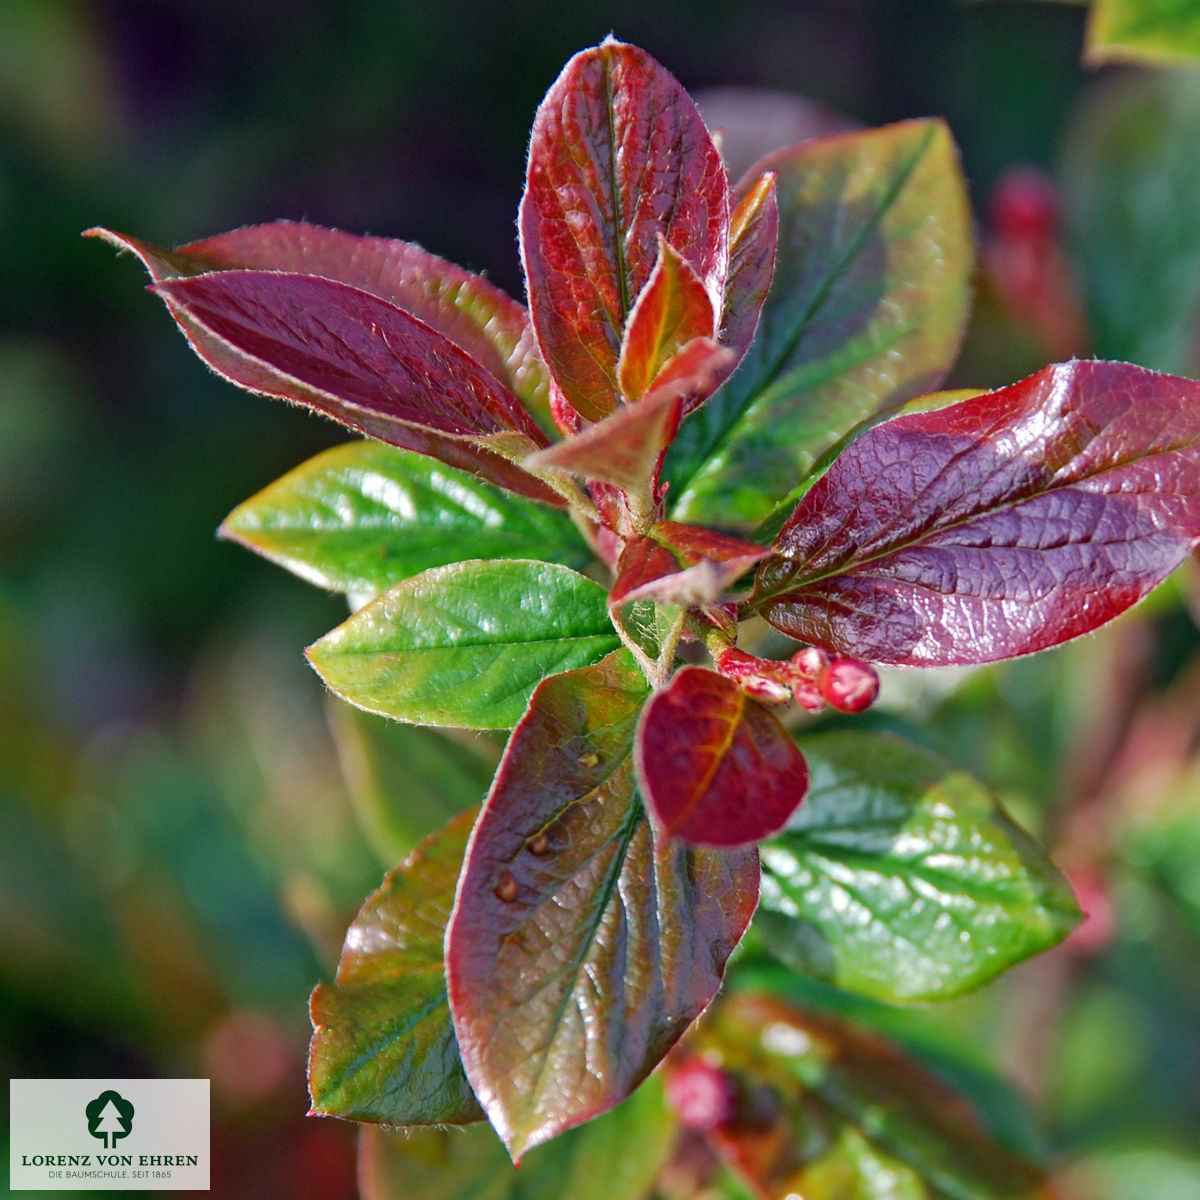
(179, 849)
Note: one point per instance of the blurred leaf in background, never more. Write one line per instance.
(183, 842)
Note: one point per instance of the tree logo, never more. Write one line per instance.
(109, 1117)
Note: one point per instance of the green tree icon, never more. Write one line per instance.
(109, 1117)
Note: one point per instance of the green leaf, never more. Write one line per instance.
(406, 781)
(383, 1045)
(581, 945)
(866, 310)
(362, 517)
(828, 1112)
(1146, 31)
(466, 644)
(1130, 175)
(901, 878)
(616, 1157)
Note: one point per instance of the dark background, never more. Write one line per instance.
(177, 855)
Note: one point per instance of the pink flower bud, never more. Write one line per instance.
(810, 661)
(703, 1096)
(850, 686)
(807, 694)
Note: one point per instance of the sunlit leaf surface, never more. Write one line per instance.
(901, 878)
(580, 949)
(1005, 524)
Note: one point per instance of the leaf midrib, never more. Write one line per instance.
(854, 565)
(809, 314)
(817, 850)
(368, 652)
(623, 839)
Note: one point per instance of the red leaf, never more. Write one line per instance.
(473, 313)
(694, 543)
(673, 308)
(753, 234)
(624, 448)
(682, 564)
(716, 768)
(1001, 525)
(695, 372)
(643, 562)
(360, 360)
(580, 948)
(619, 156)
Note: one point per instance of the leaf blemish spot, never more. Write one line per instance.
(506, 887)
(539, 845)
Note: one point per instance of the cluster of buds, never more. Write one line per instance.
(810, 677)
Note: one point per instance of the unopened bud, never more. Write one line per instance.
(850, 686)
(807, 694)
(810, 661)
(702, 1095)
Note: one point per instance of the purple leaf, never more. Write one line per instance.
(473, 313)
(716, 768)
(360, 360)
(580, 947)
(619, 156)
(1001, 525)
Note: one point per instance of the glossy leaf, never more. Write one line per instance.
(827, 1110)
(580, 949)
(626, 448)
(473, 313)
(619, 156)
(673, 309)
(716, 768)
(866, 309)
(1144, 31)
(995, 527)
(753, 237)
(616, 1157)
(362, 517)
(466, 644)
(383, 1045)
(365, 363)
(900, 877)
